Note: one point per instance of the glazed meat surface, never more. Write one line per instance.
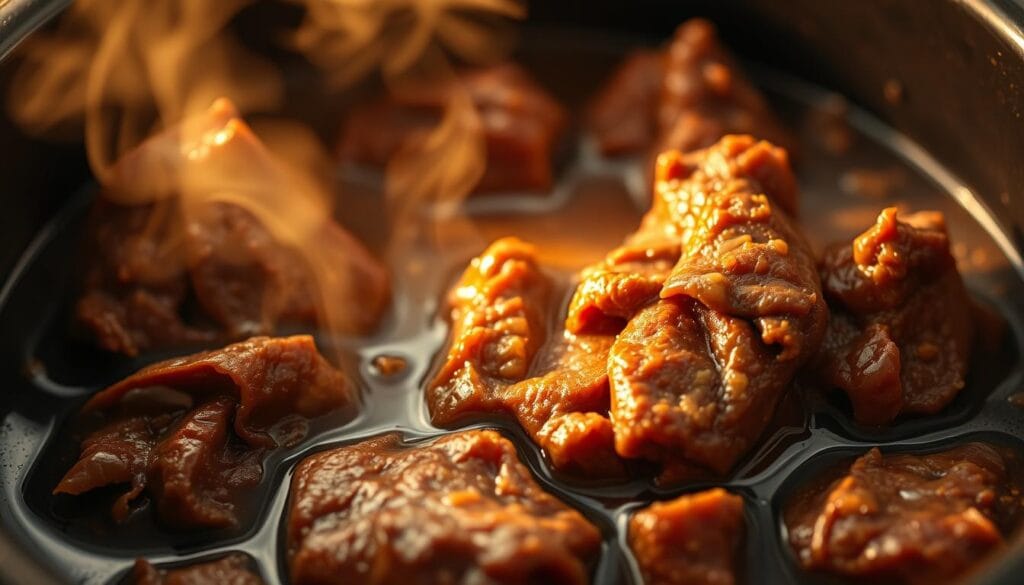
(676, 348)
(521, 125)
(461, 510)
(234, 569)
(684, 97)
(158, 277)
(499, 312)
(692, 540)
(697, 374)
(905, 518)
(900, 336)
(191, 432)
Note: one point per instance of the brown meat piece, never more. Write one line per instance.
(697, 375)
(683, 183)
(692, 540)
(684, 97)
(677, 346)
(705, 95)
(136, 281)
(460, 510)
(192, 431)
(521, 123)
(234, 569)
(901, 330)
(631, 276)
(669, 399)
(611, 292)
(498, 324)
(906, 518)
(499, 314)
(564, 406)
(159, 277)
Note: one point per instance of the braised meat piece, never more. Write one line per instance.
(677, 347)
(697, 374)
(629, 278)
(684, 97)
(900, 336)
(461, 510)
(234, 569)
(499, 311)
(192, 431)
(521, 124)
(692, 540)
(168, 270)
(564, 406)
(905, 518)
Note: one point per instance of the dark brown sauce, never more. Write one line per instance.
(595, 204)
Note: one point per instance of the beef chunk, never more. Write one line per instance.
(461, 509)
(498, 324)
(697, 374)
(192, 431)
(234, 569)
(167, 270)
(498, 313)
(901, 330)
(906, 518)
(564, 406)
(684, 97)
(521, 126)
(704, 94)
(677, 347)
(691, 540)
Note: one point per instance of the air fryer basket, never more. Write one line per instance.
(960, 67)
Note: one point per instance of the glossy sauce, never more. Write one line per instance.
(594, 205)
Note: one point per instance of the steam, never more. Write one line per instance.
(128, 69)
(157, 86)
(351, 38)
(139, 77)
(409, 42)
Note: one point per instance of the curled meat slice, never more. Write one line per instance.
(270, 378)
(564, 407)
(900, 337)
(499, 310)
(460, 510)
(192, 431)
(498, 313)
(173, 261)
(234, 569)
(906, 518)
(193, 470)
(685, 185)
(686, 96)
(698, 374)
(694, 539)
(521, 125)
(690, 383)
(744, 256)
(606, 298)
(610, 292)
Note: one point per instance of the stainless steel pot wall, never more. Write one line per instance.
(959, 65)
